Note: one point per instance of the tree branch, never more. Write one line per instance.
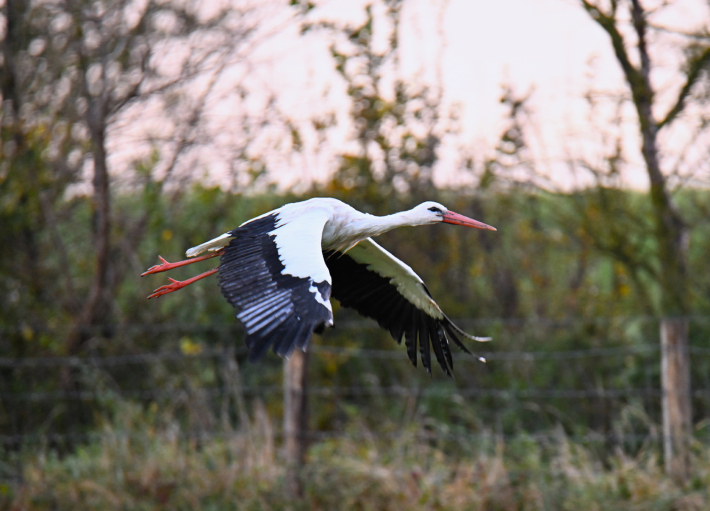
(639, 20)
(608, 23)
(695, 67)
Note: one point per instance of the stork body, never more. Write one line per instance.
(280, 269)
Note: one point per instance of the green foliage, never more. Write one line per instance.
(550, 287)
(138, 463)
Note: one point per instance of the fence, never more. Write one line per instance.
(531, 390)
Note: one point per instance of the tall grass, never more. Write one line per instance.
(139, 462)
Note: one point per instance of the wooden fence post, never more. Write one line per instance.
(295, 418)
(675, 381)
(233, 388)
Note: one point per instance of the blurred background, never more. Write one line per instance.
(132, 129)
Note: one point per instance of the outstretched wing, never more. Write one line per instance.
(272, 271)
(375, 283)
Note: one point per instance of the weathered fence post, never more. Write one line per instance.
(295, 418)
(233, 388)
(675, 381)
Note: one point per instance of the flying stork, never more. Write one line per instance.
(280, 269)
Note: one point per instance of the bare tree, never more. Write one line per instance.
(636, 61)
(646, 234)
(73, 70)
(628, 25)
(121, 49)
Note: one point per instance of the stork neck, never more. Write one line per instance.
(353, 226)
(376, 225)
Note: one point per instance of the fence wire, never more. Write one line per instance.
(350, 324)
(384, 354)
(50, 364)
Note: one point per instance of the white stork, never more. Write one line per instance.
(280, 269)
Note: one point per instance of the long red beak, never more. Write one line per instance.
(454, 218)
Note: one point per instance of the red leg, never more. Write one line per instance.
(165, 266)
(177, 284)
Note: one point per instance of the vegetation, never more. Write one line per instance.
(565, 414)
(167, 425)
(157, 469)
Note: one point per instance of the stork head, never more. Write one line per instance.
(432, 212)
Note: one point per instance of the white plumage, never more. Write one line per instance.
(279, 270)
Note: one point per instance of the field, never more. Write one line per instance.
(139, 465)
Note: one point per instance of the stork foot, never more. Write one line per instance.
(165, 265)
(168, 288)
(179, 284)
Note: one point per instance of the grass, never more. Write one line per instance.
(138, 464)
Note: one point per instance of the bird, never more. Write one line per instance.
(280, 270)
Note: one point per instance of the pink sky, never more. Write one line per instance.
(469, 48)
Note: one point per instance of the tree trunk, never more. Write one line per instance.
(98, 299)
(671, 236)
(671, 232)
(97, 305)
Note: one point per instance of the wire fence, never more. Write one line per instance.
(383, 354)
(333, 390)
(39, 377)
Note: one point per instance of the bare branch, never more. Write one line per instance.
(608, 23)
(639, 19)
(695, 67)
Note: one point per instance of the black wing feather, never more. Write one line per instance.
(452, 329)
(410, 335)
(424, 350)
(396, 320)
(436, 343)
(377, 297)
(445, 347)
(277, 310)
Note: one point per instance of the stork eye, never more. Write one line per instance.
(435, 209)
